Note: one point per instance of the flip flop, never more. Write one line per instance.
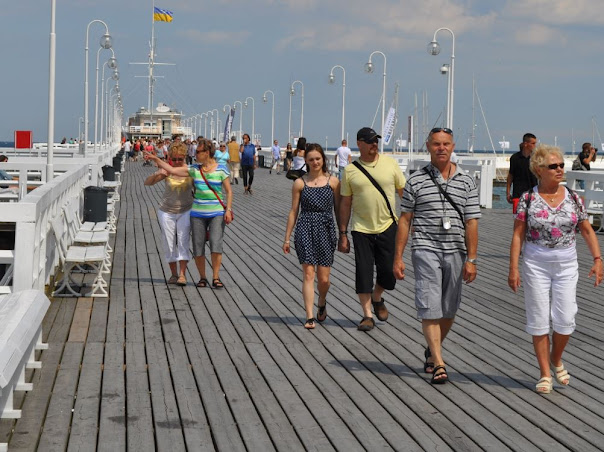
(310, 324)
(321, 312)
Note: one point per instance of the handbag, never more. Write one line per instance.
(377, 186)
(294, 174)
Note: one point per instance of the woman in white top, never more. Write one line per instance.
(546, 222)
(298, 162)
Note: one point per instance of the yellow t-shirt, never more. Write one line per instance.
(370, 213)
(233, 151)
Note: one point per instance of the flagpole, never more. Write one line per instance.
(151, 57)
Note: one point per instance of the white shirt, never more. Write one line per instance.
(343, 152)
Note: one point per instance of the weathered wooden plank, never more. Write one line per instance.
(81, 320)
(112, 424)
(85, 421)
(140, 418)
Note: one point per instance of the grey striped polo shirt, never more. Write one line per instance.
(424, 199)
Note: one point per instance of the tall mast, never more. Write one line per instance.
(473, 136)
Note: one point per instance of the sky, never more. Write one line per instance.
(537, 64)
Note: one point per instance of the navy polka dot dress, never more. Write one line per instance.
(315, 236)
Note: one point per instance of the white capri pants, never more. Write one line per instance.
(542, 277)
(176, 228)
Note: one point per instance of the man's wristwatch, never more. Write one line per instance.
(472, 261)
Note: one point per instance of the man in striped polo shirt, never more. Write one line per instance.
(442, 204)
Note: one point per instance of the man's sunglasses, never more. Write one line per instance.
(555, 165)
(441, 129)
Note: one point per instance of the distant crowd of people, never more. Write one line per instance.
(440, 210)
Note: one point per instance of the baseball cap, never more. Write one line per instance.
(368, 135)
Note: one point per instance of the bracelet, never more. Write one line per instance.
(229, 210)
(343, 232)
(597, 258)
(286, 242)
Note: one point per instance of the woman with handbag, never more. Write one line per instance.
(174, 214)
(316, 196)
(210, 211)
(546, 223)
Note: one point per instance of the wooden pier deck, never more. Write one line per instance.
(169, 368)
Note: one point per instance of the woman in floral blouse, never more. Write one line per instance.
(547, 219)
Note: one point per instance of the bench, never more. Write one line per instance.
(21, 316)
(7, 257)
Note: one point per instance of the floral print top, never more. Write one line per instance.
(551, 227)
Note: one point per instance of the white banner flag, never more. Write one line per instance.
(389, 126)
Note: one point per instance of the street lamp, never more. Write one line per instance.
(105, 43)
(205, 124)
(240, 116)
(215, 110)
(434, 49)
(265, 100)
(253, 114)
(112, 63)
(292, 93)
(332, 80)
(369, 70)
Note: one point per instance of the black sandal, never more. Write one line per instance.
(427, 355)
(203, 282)
(321, 314)
(310, 324)
(217, 284)
(438, 381)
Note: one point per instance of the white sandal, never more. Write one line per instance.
(562, 376)
(544, 386)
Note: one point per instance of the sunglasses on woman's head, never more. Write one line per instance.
(178, 159)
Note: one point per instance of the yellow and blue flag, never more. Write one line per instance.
(162, 15)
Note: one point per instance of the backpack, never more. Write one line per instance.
(577, 164)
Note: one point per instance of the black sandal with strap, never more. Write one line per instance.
(428, 355)
(217, 284)
(321, 314)
(203, 282)
(438, 381)
(310, 323)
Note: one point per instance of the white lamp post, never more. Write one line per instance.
(51, 94)
(105, 43)
(112, 63)
(331, 81)
(265, 100)
(369, 69)
(205, 124)
(216, 122)
(434, 49)
(240, 116)
(292, 93)
(253, 114)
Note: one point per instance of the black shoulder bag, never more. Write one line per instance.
(446, 195)
(377, 186)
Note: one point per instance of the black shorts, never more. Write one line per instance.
(378, 250)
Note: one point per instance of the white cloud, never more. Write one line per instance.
(539, 35)
(561, 12)
(222, 37)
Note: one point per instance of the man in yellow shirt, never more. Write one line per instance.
(373, 223)
(235, 160)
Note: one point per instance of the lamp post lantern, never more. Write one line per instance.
(105, 43)
(369, 69)
(292, 93)
(331, 82)
(265, 100)
(434, 49)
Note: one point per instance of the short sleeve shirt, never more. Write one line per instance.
(422, 197)
(370, 214)
(343, 152)
(522, 177)
(551, 227)
(205, 203)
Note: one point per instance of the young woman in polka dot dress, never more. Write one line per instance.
(316, 196)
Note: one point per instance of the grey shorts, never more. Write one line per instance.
(438, 282)
(199, 226)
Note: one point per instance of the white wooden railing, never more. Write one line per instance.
(35, 253)
(590, 186)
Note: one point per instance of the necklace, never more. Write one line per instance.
(550, 196)
(368, 165)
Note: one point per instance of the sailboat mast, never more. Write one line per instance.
(151, 60)
(473, 136)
